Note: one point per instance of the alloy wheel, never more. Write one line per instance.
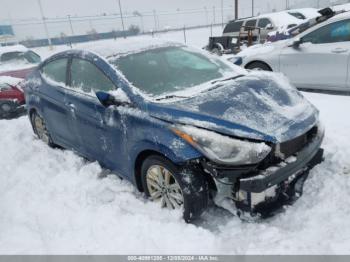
(40, 129)
(164, 188)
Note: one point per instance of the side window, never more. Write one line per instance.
(297, 15)
(56, 70)
(88, 78)
(331, 33)
(251, 23)
(233, 27)
(32, 57)
(263, 22)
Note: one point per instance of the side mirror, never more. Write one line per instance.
(296, 44)
(269, 27)
(107, 99)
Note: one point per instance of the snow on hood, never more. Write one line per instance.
(260, 105)
(12, 81)
(262, 48)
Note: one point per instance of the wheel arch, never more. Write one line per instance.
(258, 61)
(31, 111)
(141, 157)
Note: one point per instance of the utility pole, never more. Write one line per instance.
(71, 25)
(121, 17)
(287, 4)
(136, 13)
(206, 15)
(252, 7)
(222, 13)
(214, 20)
(155, 20)
(236, 9)
(44, 22)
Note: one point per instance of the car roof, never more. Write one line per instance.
(110, 48)
(341, 16)
(281, 18)
(12, 48)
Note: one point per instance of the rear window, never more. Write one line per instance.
(297, 15)
(233, 27)
(28, 57)
(251, 23)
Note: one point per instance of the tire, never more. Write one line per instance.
(40, 130)
(216, 51)
(258, 66)
(7, 107)
(186, 182)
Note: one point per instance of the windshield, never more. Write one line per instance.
(26, 57)
(170, 69)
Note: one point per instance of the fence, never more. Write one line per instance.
(76, 28)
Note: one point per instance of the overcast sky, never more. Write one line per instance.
(29, 8)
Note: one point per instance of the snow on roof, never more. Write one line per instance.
(13, 48)
(124, 46)
(344, 7)
(281, 18)
(309, 13)
(340, 16)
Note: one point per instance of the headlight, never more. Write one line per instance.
(223, 149)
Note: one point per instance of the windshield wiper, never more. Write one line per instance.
(227, 79)
(170, 96)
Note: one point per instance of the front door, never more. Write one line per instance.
(99, 128)
(321, 61)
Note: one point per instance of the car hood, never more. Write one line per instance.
(261, 49)
(16, 72)
(262, 106)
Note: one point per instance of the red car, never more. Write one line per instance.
(17, 61)
(12, 101)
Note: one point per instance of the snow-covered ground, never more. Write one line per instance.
(54, 202)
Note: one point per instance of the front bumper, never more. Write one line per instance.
(263, 192)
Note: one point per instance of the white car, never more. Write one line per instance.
(318, 58)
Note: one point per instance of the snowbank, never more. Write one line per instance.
(54, 202)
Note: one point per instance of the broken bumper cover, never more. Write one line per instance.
(305, 159)
(266, 191)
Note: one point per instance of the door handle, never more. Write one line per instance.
(71, 107)
(339, 50)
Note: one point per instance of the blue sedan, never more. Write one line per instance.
(183, 126)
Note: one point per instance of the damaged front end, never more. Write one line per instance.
(260, 190)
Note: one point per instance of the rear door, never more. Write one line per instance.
(233, 28)
(265, 26)
(251, 24)
(321, 61)
(52, 101)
